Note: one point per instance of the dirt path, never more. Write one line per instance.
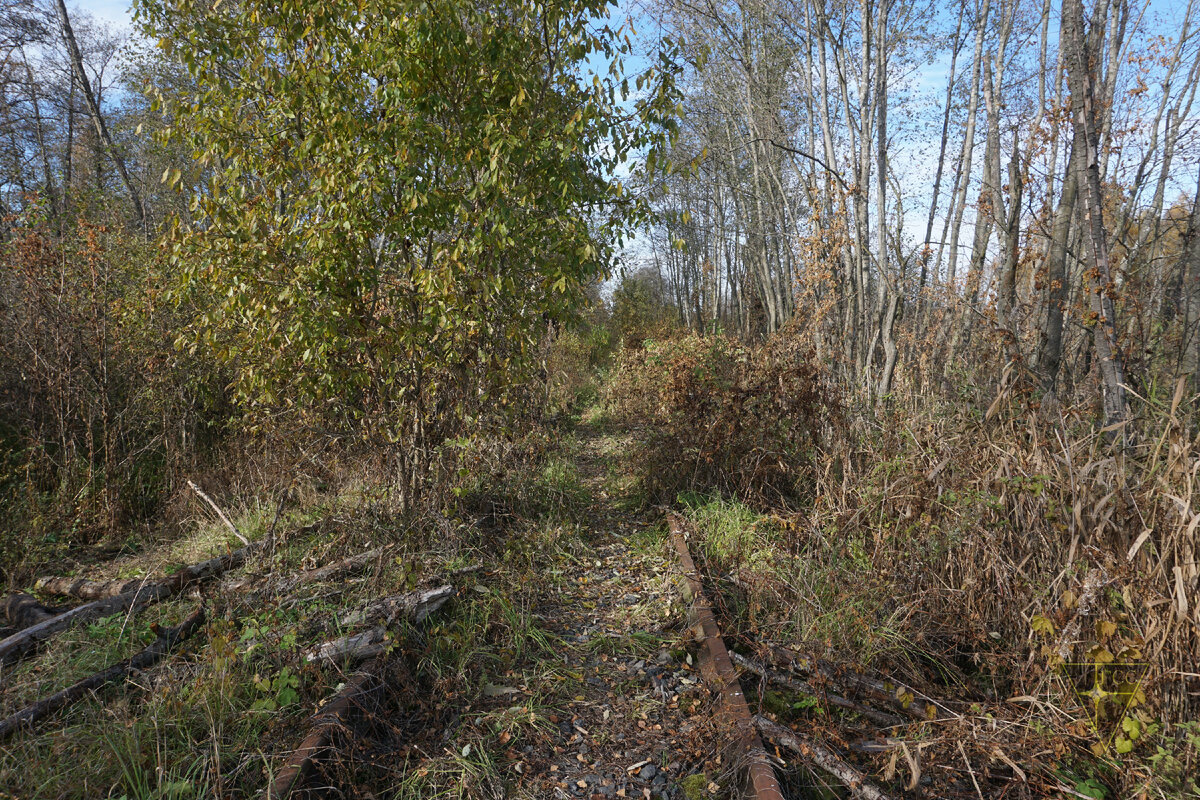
(612, 704)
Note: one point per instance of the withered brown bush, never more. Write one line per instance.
(98, 411)
(711, 414)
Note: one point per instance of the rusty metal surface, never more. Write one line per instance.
(717, 669)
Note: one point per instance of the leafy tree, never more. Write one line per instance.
(404, 195)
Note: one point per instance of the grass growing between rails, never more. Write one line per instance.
(221, 715)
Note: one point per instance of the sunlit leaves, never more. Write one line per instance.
(399, 208)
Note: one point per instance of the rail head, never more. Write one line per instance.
(717, 669)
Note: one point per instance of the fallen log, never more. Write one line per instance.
(335, 716)
(22, 642)
(355, 647)
(414, 606)
(23, 610)
(819, 755)
(852, 682)
(85, 589)
(336, 569)
(165, 641)
(804, 687)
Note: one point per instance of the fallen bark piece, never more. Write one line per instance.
(414, 606)
(23, 610)
(878, 717)
(821, 756)
(85, 589)
(166, 641)
(22, 642)
(336, 715)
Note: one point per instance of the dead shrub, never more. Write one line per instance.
(716, 415)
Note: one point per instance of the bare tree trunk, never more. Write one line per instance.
(40, 131)
(887, 307)
(937, 179)
(1082, 83)
(1051, 345)
(959, 200)
(1191, 290)
(1006, 295)
(98, 118)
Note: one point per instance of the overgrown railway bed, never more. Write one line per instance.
(581, 659)
(612, 700)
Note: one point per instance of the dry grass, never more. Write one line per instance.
(1005, 553)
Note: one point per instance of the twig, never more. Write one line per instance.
(233, 528)
(970, 769)
(823, 757)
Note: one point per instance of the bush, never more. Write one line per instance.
(719, 416)
(641, 309)
(98, 413)
(574, 362)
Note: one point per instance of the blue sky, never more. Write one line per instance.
(114, 12)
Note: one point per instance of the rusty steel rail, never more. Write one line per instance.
(717, 670)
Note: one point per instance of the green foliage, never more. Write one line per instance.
(1176, 760)
(732, 533)
(641, 309)
(575, 363)
(277, 692)
(402, 196)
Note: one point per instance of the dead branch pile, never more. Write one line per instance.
(413, 606)
(144, 594)
(165, 641)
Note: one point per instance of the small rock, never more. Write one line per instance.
(648, 772)
(664, 657)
